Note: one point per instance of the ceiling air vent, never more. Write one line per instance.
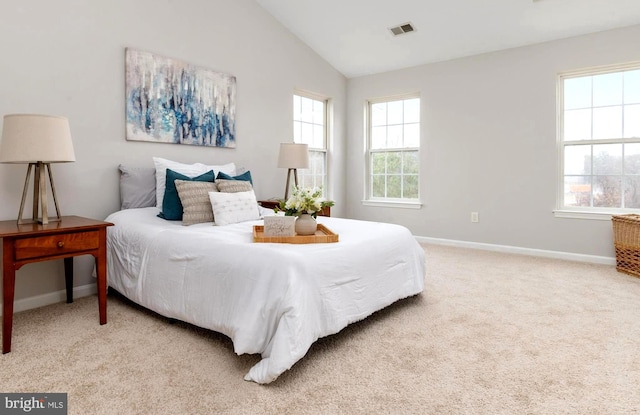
(402, 29)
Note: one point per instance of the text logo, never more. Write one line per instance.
(33, 403)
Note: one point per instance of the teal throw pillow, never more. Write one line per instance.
(171, 205)
(246, 176)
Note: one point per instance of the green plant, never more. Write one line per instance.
(304, 200)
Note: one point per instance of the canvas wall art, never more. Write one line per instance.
(170, 101)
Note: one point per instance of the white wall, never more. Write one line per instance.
(66, 57)
(488, 140)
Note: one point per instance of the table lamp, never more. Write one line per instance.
(293, 156)
(37, 140)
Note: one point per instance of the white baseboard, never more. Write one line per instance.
(594, 259)
(52, 298)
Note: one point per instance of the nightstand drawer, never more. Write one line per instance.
(43, 246)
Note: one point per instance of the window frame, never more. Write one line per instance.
(326, 101)
(368, 199)
(584, 212)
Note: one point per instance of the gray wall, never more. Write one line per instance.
(488, 122)
(66, 57)
(488, 139)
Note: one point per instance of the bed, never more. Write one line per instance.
(272, 299)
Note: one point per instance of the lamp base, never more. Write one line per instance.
(295, 180)
(39, 194)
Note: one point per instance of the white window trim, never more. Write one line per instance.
(579, 214)
(392, 203)
(388, 202)
(573, 212)
(328, 105)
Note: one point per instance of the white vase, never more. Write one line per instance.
(306, 224)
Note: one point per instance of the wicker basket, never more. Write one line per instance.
(626, 238)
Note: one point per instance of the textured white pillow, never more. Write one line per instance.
(190, 170)
(231, 208)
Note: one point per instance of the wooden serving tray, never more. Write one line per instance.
(322, 235)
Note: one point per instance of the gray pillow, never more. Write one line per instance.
(137, 187)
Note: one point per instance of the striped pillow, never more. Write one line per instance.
(233, 186)
(196, 204)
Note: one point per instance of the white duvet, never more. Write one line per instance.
(271, 299)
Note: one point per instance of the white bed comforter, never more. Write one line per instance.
(272, 299)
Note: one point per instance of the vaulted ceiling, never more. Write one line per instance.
(354, 35)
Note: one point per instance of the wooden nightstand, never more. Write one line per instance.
(64, 239)
(270, 204)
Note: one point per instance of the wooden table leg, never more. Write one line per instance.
(8, 290)
(101, 276)
(68, 278)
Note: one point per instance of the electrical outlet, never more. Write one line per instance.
(474, 217)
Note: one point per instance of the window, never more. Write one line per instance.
(393, 150)
(600, 139)
(310, 127)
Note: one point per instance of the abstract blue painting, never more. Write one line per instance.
(169, 101)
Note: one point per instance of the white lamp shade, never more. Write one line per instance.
(28, 138)
(293, 156)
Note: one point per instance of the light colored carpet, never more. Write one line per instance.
(491, 334)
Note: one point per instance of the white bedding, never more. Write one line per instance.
(272, 299)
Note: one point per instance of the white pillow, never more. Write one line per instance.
(190, 170)
(231, 208)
